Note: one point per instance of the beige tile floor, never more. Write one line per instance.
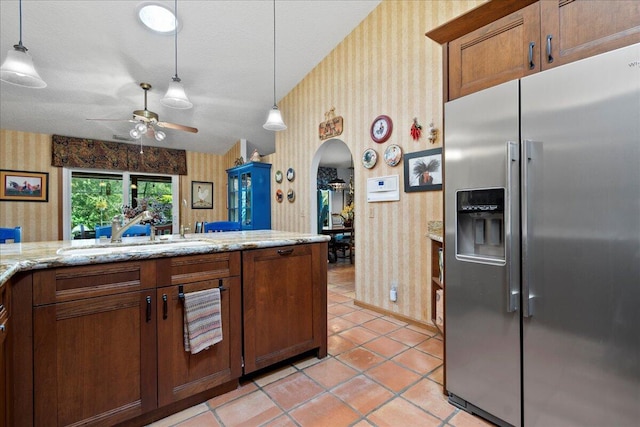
(379, 372)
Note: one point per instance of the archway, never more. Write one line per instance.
(332, 153)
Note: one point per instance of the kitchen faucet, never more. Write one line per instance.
(117, 229)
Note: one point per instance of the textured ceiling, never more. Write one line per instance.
(93, 55)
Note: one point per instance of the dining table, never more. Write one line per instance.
(333, 231)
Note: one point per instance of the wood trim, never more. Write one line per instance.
(430, 328)
(476, 18)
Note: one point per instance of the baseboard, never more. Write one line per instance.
(428, 326)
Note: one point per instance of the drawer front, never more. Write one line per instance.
(82, 282)
(197, 268)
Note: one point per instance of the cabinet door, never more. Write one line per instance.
(182, 374)
(285, 314)
(95, 359)
(233, 198)
(504, 50)
(4, 329)
(577, 29)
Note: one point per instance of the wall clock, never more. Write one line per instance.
(381, 129)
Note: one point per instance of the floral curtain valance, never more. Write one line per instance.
(73, 152)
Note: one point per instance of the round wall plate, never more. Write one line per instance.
(279, 177)
(279, 196)
(291, 174)
(369, 158)
(291, 196)
(393, 155)
(381, 129)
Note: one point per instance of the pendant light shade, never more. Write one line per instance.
(274, 120)
(18, 67)
(176, 96)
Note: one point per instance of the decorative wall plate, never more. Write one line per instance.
(393, 155)
(369, 158)
(291, 195)
(278, 177)
(381, 129)
(291, 174)
(279, 196)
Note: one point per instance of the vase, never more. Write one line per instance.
(347, 223)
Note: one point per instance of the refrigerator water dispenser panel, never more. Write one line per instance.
(480, 225)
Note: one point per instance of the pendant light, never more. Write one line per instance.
(18, 68)
(274, 120)
(175, 96)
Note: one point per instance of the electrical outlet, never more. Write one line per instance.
(393, 294)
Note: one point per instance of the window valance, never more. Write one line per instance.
(67, 151)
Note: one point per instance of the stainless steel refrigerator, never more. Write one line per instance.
(542, 246)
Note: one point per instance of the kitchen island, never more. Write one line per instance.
(95, 330)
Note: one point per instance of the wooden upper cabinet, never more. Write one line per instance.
(502, 40)
(583, 28)
(504, 50)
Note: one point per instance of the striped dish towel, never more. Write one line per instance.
(202, 320)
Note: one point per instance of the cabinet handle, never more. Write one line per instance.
(148, 309)
(549, 56)
(532, 65)
(165, 309)
(2, 328)
(220, 285)
(284, 252)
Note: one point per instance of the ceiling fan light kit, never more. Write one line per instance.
(176, 96)
(274, 120)
(18, 68)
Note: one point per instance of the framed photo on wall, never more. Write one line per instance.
(423, 170)
(24, 186)
(201, 195)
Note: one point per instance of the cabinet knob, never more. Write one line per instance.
(2, 328)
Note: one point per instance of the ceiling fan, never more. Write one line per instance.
(146, 120)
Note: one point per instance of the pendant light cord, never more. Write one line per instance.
(20, 46)
(274, 52)
(175, 11)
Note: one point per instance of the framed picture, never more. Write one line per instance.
(24, 186)
(423, 170)
(201, 195)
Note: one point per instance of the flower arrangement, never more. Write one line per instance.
(157, 208)
(348, 212)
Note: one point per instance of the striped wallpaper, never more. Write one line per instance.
(385, 66)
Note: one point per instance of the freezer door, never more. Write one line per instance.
(482, 324)
(581, 129)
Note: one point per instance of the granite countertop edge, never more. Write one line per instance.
(16, 257)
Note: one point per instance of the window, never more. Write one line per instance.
(95, 197)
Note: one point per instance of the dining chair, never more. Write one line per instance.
(217, 226)
(14, 234)
(134, 230)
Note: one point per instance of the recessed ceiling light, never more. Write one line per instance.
(157, 18)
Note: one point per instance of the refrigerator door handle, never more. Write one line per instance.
(511, 228)
(530, 151)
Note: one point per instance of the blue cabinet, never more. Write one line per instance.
(249, 195)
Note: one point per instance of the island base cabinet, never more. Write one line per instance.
(182, 374)
(94, 358)
(284, 303)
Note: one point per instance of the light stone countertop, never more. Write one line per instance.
(15, 257)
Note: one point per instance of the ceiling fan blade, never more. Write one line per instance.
(114, 120)
(178, 127)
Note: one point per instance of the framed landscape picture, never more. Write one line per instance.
(201, 195)
(24, 186)
(423, 170)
